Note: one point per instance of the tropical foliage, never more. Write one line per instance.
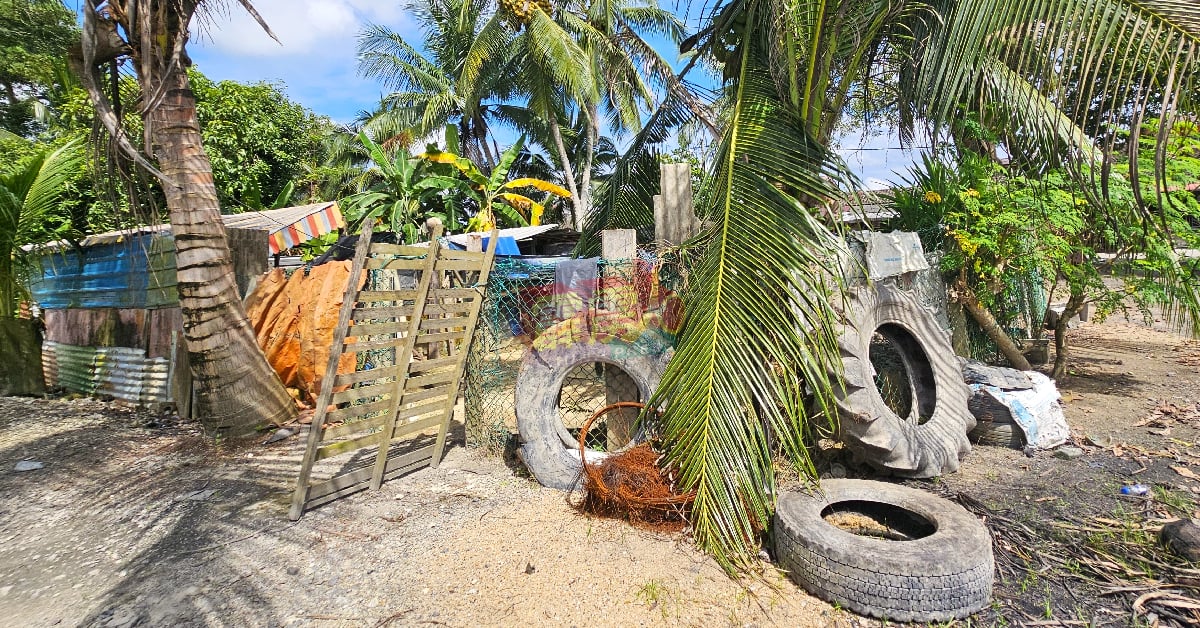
(34, 38)
(558, 73)
(790, 69)
(436, 183)
(30, 213)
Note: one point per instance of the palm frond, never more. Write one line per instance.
(760, 319)
(624, 199)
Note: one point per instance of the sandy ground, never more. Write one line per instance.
(136, 520)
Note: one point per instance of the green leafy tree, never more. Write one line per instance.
(259, 142)
(34, 38)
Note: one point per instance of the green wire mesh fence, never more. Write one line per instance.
(529, 297)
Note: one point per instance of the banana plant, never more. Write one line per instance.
(400, 198)
(497, 198)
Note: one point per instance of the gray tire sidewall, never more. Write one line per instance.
(868, 426)
(946, 575)
(551, 458)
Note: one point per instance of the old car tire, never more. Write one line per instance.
(998, 435)
(933, 439)
(945, 575)
(547, 450)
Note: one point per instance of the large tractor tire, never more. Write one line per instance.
(932, 438)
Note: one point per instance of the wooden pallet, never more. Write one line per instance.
(391, 420)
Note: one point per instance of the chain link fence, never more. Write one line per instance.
(529, 297)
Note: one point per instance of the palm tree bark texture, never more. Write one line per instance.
(235, 389)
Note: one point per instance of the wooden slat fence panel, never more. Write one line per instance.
(383, 418)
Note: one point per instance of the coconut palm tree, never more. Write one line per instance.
(760, 307)
(580, 63)
(427, 89)
(236, 389)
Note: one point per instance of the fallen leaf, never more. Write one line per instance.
(1162, 432)
(1185, 472)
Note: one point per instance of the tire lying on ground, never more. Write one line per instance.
(932, 439)
(944, 572)
(549, 451)
(998, 434)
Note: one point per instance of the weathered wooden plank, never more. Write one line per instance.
(445, 265)
(396, 264)
(405, 353)
(366, 392)
(426, 407)
(456, 307)
(404, 429)
(453, 335)
(440, 377)
(382, 313)
(371, 345)
(428, 393)
(370, 296)
(357, 377)
(346, 429)
(404, 250)
(445, 323)
(475, 256)
(419, 366)
(377, 329)
(346, 414)
(331, 369)
(346, 446)
(456, 293)
(356, 480)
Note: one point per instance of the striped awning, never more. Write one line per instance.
(290, 226)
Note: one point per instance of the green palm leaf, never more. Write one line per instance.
(760, 320)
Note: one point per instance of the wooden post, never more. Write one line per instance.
(674, 215)
(619, 248)
(433, 225)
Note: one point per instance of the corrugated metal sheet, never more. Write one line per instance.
(138, 272)
(119, 372)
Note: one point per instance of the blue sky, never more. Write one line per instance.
(315, 62)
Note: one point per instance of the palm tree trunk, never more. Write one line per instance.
(568, 173)
(593, 135)
(966, 296)
(237, 391)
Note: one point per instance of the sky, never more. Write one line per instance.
(314, 61)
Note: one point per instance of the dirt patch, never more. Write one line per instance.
(137, 520)
(133, 521)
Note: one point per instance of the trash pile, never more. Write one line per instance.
(1014, 408)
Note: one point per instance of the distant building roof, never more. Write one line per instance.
(286, 227)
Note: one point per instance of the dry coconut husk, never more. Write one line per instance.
(630, 485)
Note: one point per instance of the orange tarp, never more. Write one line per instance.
(294, 321)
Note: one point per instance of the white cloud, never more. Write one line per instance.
(303, 27)
(315, 55)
